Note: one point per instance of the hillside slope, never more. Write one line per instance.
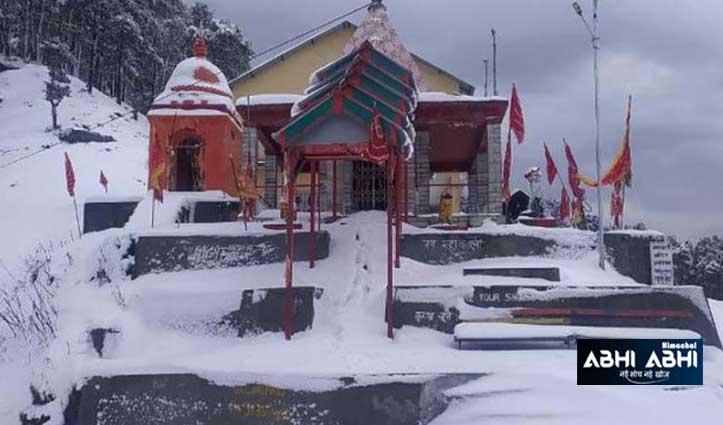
(35, 207)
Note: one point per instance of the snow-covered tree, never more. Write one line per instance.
(57, 56)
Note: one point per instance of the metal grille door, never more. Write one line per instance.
(369, 183)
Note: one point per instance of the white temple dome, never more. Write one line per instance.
(196, 81)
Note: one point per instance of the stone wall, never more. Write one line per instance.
(493, 202)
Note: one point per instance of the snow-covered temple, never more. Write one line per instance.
(195, 121)
(457, 143)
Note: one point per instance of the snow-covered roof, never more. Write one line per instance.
(196, 81)
(268, 99)
(436, 96)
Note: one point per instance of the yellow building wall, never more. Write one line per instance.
(291, 74)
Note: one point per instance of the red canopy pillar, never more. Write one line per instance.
(314, 168)
(333, 190)
(397, 210)
(390, 246)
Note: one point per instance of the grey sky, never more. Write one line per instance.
(666, 53)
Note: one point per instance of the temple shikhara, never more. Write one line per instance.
(455, 135)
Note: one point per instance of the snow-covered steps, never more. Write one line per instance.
(176, 251)
(443, 307)
(174, 399)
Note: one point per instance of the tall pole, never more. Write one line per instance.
(494, 62)
(486, 61)
(596, 48)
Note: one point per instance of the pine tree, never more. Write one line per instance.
(57, 56)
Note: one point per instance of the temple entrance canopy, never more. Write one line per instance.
(358, 108)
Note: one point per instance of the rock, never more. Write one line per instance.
(76, 135)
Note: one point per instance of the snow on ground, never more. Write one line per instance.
(166, 323)
(36, 206)
(164, 319)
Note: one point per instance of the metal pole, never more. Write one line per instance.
(494, 62)
(77, 218)
(596, 48)
(486, 67)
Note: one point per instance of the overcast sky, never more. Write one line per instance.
(668, 54)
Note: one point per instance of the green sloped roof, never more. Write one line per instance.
(293, 133)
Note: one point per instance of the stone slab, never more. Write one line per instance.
(438, 307)
(440, 248)
(156, 254)
(547, 273)
(261, 310)
(99, 216)
(182, 399)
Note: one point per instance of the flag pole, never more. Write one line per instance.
(153, 210)
(77, 218)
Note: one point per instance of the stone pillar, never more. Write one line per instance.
(271, 179)
(422, 171)
(345, 170)
(411, 186)
(474, 201)
(494, 169)
(325, 174)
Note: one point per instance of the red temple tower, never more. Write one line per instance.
(197, 124)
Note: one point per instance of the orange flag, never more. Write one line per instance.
(157, 165)
(621, 167)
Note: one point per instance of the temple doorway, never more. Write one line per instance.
(188, 172)
(369, 186)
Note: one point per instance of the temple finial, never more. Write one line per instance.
(376, 4)
(199, 48)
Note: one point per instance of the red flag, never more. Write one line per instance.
(616, 204)
(103, 181)
(572, 173)
(69, 176)
(157, 166)
(551, 167)
(517, 120)
(506, 170)
(564, 205)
